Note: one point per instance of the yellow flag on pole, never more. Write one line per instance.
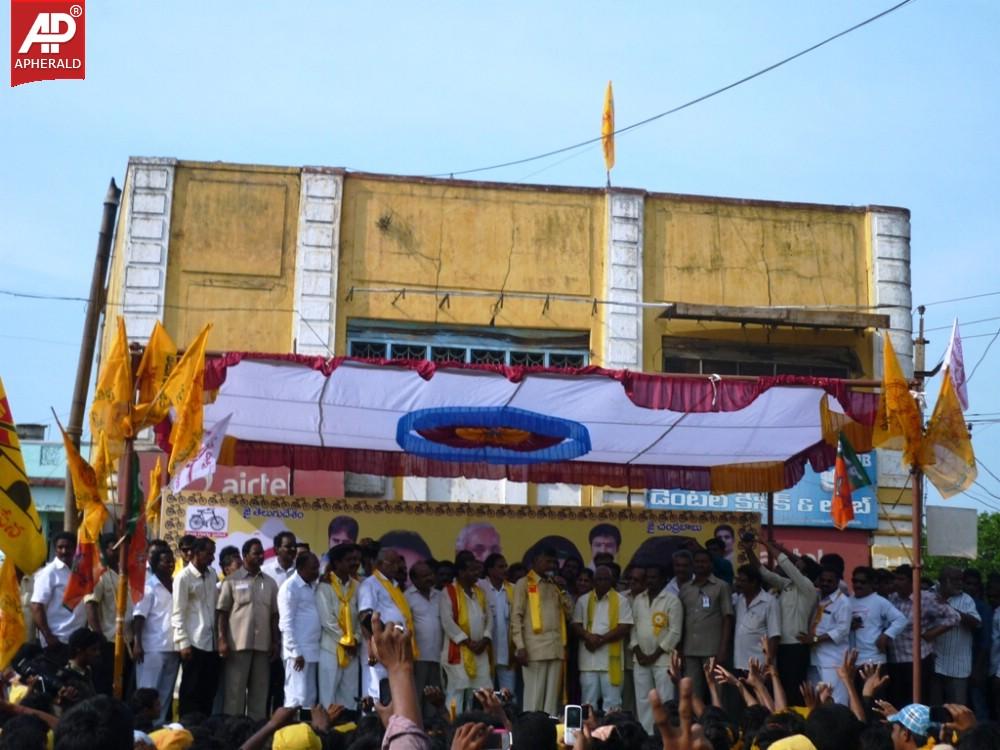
(897, 421)
(185, 389)
(21, 538)
(110, 414)
(153, 495)
(954, 467)
(88, 497)
(157, 361)
(12, 630)
(608, 128)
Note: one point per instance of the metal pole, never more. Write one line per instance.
(121, 595)
(74, 427)
(916, 519)
(770, 516)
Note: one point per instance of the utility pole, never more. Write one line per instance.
(95, 306)
(917, 517)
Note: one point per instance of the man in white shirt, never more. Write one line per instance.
(337, 600)
(683, 564)
(874, 621)
(299, 623)
(953, 648)
(602, 620)
(757, 617)
(465, 619)
(379, 594)
(424, 605)
(156, 658)
(281, 567)
(797, 599)
(102, 617)
(829, 634)
(54, 621)
(658, 618)
(500, 596)
(193, 620)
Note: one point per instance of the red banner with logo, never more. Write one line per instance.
(47, 41)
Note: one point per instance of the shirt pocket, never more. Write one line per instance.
(242, 595)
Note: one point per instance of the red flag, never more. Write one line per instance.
(842, 509)
(138, 546)
(83, 575)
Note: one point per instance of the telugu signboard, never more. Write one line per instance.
(805, 504)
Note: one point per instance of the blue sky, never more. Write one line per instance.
(902, 112)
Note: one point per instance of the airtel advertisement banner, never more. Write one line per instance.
(279, 481)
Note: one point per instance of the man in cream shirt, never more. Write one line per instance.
(380, 594)
(602, 621)
(337, 601)
(538, 629)
(658, 618)
(193, 620)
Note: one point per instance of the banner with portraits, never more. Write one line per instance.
(422, 530)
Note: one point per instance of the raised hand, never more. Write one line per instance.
(873, 679)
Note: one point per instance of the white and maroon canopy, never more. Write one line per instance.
(584, 426)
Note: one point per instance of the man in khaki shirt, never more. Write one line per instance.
(708, 620)
(246, 624)
(102, 617)
(540, 640)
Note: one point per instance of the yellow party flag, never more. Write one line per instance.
(21, 538)
(157, 361)
(185, 389)
(153, 495)
(608, 128)
(110, 414)
(948, 439)
(88, 497)
(897, 421)
(12, 630)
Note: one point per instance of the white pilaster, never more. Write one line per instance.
(623, 282)
(317, 253)
(150, 183)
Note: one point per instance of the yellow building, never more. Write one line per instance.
(322, 261)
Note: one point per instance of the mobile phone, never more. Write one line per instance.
(572, 723)
(305, 714)
(498, 739)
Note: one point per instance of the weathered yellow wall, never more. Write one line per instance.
(423, 235)
(232, 256)
(753, 254)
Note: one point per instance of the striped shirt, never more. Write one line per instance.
(953, 648)
(933, 613)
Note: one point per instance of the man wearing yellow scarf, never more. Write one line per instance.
(658, 617)
(337, 601)
(602, 621)
(538, 629)
(465, 617)
(379, 593)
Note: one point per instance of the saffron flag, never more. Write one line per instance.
(85, 571)
(111, 412)
(21, 538)
(842, 506)
(608, 128)
(85, 490)
(954, 363)
(954, 467)
(138, 545)
(897, 421)
(153, 497)
(158, 359)
(202, 465)
(12, 629)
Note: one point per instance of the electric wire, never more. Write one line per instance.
(685, 105)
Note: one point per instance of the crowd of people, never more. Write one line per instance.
(357, 651)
